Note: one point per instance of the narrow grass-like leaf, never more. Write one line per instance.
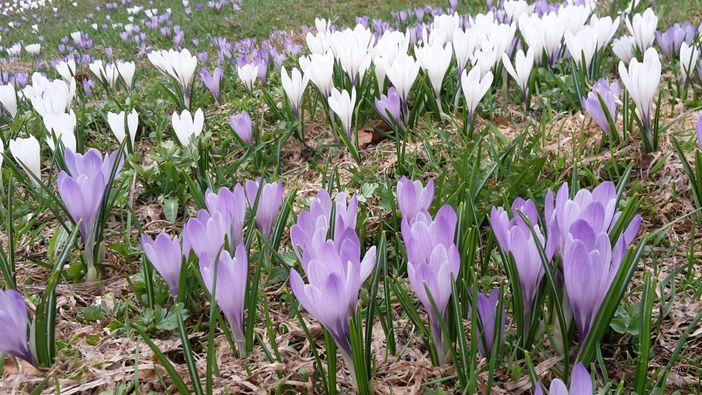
(187, 351)
(645, 315)
(165, 362)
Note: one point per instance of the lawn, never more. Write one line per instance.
(397, 218)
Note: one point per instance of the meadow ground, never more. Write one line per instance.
(511, 153)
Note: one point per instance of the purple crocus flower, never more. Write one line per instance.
(312, 228)
(389, 107)
(88, 85)
(241, 124)
(699, 130)
(596, 207)
(230, 292)
(13, 326)
(487, 313)
(82, 189)
(609, 94)
(413, 198)
(334, 269)
(514, 236)
(433, 263)
(231, 204)
(580, 384)
(269, 201)
(166, 255)
(213, 81)
(589, 266)
(673, 37)
(204, 234)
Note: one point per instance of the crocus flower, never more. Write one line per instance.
(596, 207)
(514, 236)
(623, 48)
(270, 197)
(166, 255)
(82, 189)
(8, 99)
(179, 65)
(204, 234)
(213, 81)
(609, 95)
(66, 69)
(343, 105)
(187, 126)
(433, 263)
(312, 229)
(641, 81)
(389, 107)
(27, 152)
(320, 69)
(231, 273)
(118, 127)
(126, 71)
(13, 325)
(580, 384)
(474, 88)
(241, 124)
(334, 269)
(487, 313)
(402, 73)
(589, 266)
(672, 38)
(523, 63)
(61, 127)
(699, 133)
(435, 60)
(231, 204)
(294, 87)
(414, 198)
(688, 60)
(247, 74)
(643, 28)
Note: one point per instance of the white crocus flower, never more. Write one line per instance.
(247, 74)
(582, 44)
(343, 105)
(474, 88)
(186, 126)
(27, 152)
(604, 28)
(435, 60)
(464, 44)
(352, 49)
(294, 87)
(126, 70)
(688, 60)
(33, 49)
(514, 9)
(623, 48)
(63, 128)
(117, 125)
(66, 69)
(8, 99)
(320, 70)
(523, 64)
(402, 73)
(180, 65)
(641, 81)
(643, 28)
